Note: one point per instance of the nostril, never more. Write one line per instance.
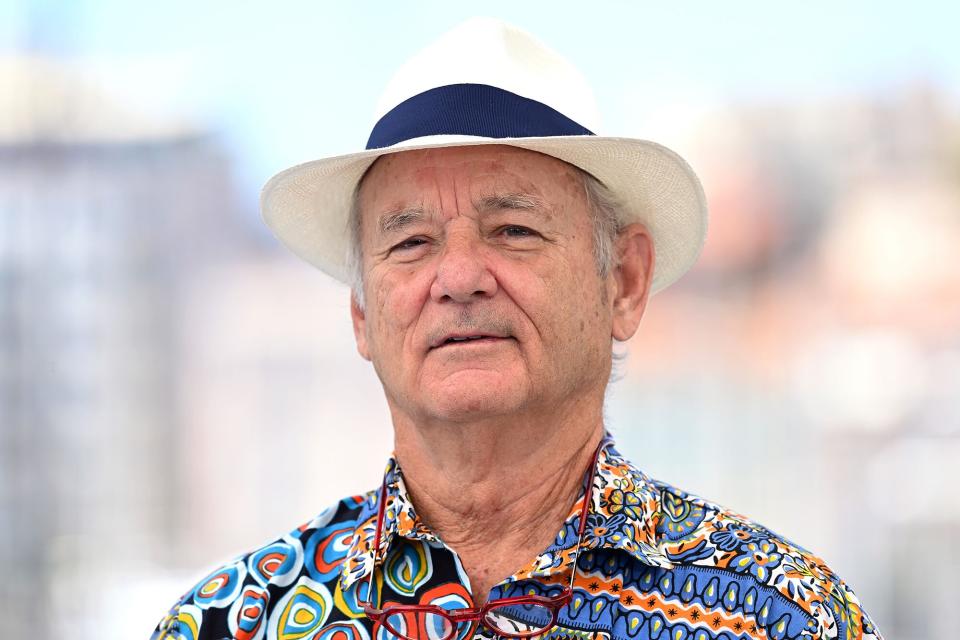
(463, 280)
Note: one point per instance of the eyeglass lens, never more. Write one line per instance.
(519, 619)
(508, 620)
(412, 625)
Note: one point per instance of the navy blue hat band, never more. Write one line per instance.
(472, 110)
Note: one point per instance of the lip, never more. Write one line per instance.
(466, 339)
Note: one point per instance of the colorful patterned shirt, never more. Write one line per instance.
(656, 562)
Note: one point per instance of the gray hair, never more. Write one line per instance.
(605, 210)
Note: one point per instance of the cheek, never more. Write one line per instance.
(586, 307)
(397, 301)
(557, 302)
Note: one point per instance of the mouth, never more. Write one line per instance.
(460, 340)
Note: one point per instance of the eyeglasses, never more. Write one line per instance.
(519, 617)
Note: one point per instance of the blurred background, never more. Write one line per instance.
(175, 388)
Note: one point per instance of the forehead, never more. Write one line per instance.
(480, 168)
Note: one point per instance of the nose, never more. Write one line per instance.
(462, 272)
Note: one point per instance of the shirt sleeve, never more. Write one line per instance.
(169, 626)
(836, 610)
(850, 621)
(188, 621)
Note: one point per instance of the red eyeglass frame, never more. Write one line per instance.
(457, 616)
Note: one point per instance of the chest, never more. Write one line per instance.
(614, 597)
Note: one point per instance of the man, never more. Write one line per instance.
(496, 247)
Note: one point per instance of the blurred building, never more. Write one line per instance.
(104, 217)
(273, 394)
(819, 336)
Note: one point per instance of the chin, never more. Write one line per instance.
(471, 411)
(463, 400)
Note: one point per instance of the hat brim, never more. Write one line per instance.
(308, 206)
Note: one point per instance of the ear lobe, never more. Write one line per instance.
(359, 319)
(633, 276)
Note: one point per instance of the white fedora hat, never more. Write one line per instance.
(486, 82)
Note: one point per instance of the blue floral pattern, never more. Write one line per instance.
(758, 558)
(734, 535)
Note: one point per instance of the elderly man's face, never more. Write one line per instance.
(482, 292)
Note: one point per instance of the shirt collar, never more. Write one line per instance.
(624, 511)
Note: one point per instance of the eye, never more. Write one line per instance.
(409, 243)
(516, 231)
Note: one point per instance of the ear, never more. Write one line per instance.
(632, 277)
(359, 318)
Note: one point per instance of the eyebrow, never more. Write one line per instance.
(522, 201)
(400, 218)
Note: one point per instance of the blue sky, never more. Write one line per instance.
(287, 81)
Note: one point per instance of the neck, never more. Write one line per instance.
(497, 490)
